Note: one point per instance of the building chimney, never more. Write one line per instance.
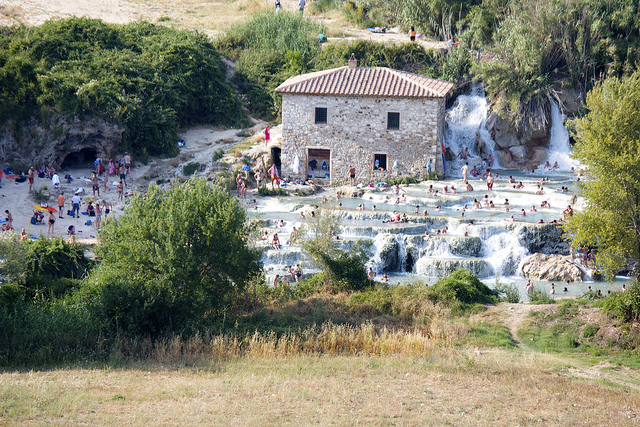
(353, 62)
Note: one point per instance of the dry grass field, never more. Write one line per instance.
(452, 387)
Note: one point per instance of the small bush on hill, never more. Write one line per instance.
(461, 290)
(190, 169)
(510, 292)
(268, 192)
(539, 296)
(624, 305)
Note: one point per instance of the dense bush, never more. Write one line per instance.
(172, 259)
(462, 289)
(150, 79)
(624, 305)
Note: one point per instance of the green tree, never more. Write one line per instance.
(341, 270)
(607, 146)
(172, 258)
(13, 254)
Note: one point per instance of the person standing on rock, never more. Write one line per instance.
(267, 136)
(259, 176)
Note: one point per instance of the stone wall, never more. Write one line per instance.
(356, 130)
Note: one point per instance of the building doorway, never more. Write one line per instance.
(276, 159)
(319, 163)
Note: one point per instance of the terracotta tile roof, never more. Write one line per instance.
(366, 81)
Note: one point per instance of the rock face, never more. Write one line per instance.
(57, 142)
(546, 239)
(518, 149)
(552, 267)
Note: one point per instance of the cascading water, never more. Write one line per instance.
(466, 120)
(559, 147)
(504, 253)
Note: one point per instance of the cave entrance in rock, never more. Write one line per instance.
(80, 159)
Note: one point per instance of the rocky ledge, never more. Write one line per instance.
(556, 268)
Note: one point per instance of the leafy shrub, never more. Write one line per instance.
(10, 293)
(511, 292)
(624, 305)
(268, 192)
(462, 288)
(41, 194)
(590, 330)
(402, 181)
(218, 154)
(36, 333)
(173, 258)
(539, 296)
(190, 169)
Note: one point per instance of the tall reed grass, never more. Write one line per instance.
(327, 339)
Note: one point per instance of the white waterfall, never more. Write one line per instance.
(465, 120)
(559, 148)
(504, 253)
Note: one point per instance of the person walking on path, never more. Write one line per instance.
(352, 175)
(301, 6)
(120, 191)
(60, 204)
(106, 183)
(277, 5)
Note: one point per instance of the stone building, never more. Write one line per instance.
(384, 122)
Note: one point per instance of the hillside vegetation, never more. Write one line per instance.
(147, 78)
